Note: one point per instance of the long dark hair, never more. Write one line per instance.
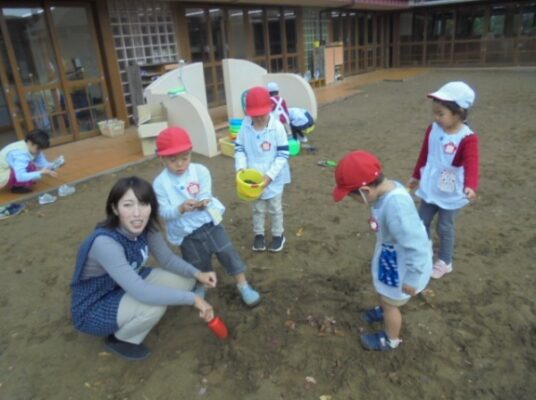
(144, 193)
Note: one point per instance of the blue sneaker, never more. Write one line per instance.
(373, 315)
(11, 210)
(249, 295)
(376, 341)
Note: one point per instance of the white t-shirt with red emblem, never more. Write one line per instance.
(265, 151)
(172, 190)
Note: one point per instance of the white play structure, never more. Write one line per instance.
(188, 108)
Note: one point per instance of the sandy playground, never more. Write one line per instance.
(472, 337)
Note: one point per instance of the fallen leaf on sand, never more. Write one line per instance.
(290, 324)
(299, 233)
(325, 397)
(104, 354)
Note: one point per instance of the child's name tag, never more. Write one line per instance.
(215, 214)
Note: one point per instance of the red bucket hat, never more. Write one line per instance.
(357, 169)
(173, 140)
(258, 102)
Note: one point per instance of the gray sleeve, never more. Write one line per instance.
(167, 259)
(405, 227)
(111, 256)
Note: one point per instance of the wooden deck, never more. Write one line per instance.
(99, 155)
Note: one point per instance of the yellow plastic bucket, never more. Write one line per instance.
(248, 184)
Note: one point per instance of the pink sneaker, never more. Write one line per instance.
(441, 268)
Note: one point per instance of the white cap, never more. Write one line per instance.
(458, 92)
(272, 87)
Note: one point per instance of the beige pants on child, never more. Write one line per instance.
(274, 207)
(136, 319)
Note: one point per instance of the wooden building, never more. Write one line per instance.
(64, 65)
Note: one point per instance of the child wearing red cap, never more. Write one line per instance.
(192, 215)
(262, 144)
(447, 171)
(402, 261)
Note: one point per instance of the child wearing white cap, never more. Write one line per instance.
(279, 106)
(446, 175)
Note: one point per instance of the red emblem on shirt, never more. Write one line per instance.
(450, 148)
(193, 188)
(373, 224)
(266, 146)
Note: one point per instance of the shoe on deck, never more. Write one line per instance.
(249, 295)
(278, 242)
(373, 315)
(258, 243)
(20, 189)
(130, 351)
(11, 210)
(377, 341)
(47, 198)
(441, 268)
(66, 190)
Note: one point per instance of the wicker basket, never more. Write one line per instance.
(112, 127)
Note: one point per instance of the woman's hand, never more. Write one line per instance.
(207, 278)
(205, 310)
(188, 205)
(470, 193)
(412, 184)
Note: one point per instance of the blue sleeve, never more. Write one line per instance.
(166, 210)
(41, 161)
(110, 255)
(167, 259)
(282, 154)
(241, 159)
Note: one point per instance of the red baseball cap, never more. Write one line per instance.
(357, 169)
(258, 102)
(173, 140)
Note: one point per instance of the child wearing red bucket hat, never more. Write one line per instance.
(446, 174)
(192, 214)
(262, 144)
(402, 261)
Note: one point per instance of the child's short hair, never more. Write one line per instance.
(38, 137)
(454, 108)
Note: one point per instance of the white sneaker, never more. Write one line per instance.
(58, 162)
(47, 198)
(303, 139)
(66, 190)
(441, 268)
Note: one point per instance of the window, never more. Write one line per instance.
(470, 23)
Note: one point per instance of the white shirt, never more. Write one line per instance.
(265, 151)
(172, 190)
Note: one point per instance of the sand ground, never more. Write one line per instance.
(473, 337)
